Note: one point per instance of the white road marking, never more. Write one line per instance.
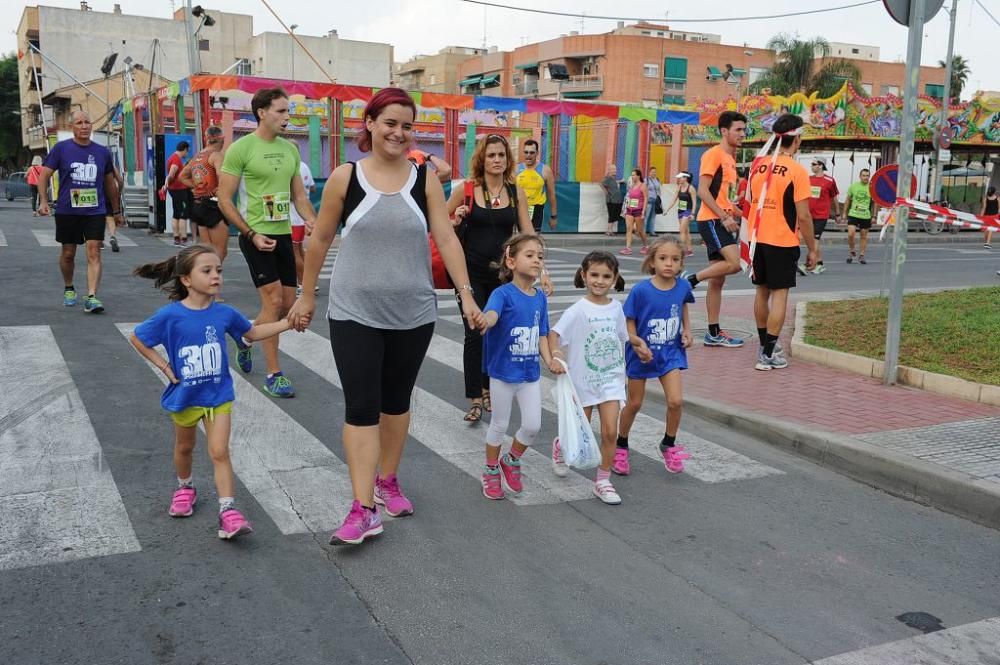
(438, 425)
(970, 644)
(710, 463)
(301, 485)
(47, 238)
(58, 499)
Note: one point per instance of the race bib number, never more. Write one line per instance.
(682, 205)
(815, 191)
(633, 203)
(83, 198)
(276, 207)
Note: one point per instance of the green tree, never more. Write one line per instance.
(12, 154)
(959, 75)
(804, 65)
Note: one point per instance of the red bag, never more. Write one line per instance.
(438, 271)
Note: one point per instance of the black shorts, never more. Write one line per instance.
(863, 224)
(205, 212)
(181, 199)
(614, 212)
(278, 265)
(716, 237)
(75, 229)
(775, 267)
(537, 213)
(819, 225)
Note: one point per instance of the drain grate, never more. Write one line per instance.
(922, 621)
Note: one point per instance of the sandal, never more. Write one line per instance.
(475, 413)
(487, 404)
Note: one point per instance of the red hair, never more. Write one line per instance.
(381, 99)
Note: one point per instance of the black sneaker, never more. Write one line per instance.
(850, 257)
(861, 260)
(114, 244)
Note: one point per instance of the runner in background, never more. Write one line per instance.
(34, 172)
(823, 205)
(299, 227)
(109, 220)
(991, 206)
(685, 200)
(858, 212)
(537, 182)
(201, 174)
(180, 195)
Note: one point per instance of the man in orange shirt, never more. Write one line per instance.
(784, 215)
(719, 221)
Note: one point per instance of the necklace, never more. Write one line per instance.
(494, 198)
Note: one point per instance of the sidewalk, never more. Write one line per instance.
(830, 237)
(937, 450)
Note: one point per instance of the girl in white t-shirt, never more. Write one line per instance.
(590, 337)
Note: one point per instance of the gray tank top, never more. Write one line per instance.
(382, 275)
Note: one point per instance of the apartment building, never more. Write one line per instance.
(75, 43)
(629, 66)
(434, 73)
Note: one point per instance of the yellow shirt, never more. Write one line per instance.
(530, 180)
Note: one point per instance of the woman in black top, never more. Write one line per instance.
(499, 207)
(991, 206)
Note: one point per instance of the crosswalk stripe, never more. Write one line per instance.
(969, 644)
(47, 238)
(710, 462)
(438, 425)
(3, 239)
(58, 499)
(301, 485)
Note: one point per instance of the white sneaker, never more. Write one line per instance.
(558, 463)
(766, 364)
(605, 491)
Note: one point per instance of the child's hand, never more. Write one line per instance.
(641, 350)
(686, 339)
(556, 367)
(169, 373)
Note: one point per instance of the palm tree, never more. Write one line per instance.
(959, 75)
(794, 68)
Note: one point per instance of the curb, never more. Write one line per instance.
(940, 384)
(830, 238)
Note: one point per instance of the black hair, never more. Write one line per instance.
(991, 191)
(727, 118)
(638, 173)
(509, 250)
(599, 258)
(531, 142)
(787, 122)
(166, 275)
(263, 98)
(182, 146)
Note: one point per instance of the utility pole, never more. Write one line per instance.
(943, 123)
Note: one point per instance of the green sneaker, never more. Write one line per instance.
(278, 385)
(69, 298)
(93, 305)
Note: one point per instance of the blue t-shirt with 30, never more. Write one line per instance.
(81, 170)
(196, 348)
(510, 348)
(658, 320)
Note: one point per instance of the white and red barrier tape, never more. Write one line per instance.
(937, 213)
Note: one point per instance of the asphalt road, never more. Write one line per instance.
(751, 557)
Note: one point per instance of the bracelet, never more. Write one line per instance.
(553, 216)
(466, 287)
(250, 234)
(115, 213)
(163, 370)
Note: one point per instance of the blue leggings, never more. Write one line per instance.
(651, 215)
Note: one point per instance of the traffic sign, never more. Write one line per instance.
(899, 10)
(943, 137)
(883, 185)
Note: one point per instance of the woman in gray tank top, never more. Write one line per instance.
(382, 306)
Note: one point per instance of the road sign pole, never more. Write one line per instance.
(914, 43)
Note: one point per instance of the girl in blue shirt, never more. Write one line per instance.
(192, 330)
(656, 313)
(517, 321)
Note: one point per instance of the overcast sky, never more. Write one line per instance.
(424, 26)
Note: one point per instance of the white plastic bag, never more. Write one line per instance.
(576, 438)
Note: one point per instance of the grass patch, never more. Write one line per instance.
(950, 332)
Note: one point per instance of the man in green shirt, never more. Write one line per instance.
(264, 168)
(859, 210)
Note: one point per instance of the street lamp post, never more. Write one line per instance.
(194, 58)
(291, 29)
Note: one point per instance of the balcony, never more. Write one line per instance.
(585, 85)
(526, 89)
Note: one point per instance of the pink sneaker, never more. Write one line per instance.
(644, 250)
(510, 469)
(388, 494)
(233, 524)
(492, 488)
(621, 465)
(359, 524)
(182, 505)
(673, 459)
(558, 462)
(625, 251)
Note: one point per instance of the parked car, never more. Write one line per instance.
(15, 186)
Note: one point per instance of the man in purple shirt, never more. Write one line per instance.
(86, 186)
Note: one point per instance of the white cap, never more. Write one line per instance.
(683, 174)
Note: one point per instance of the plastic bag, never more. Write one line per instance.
(579, 445)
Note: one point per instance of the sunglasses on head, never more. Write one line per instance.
(489, 137)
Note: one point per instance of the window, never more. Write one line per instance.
(434, 79)
(934, 90)
(202, 44)
(645, 32)
(674, 86)
(890, 90)
(756, 73)
(675, 70)
(659, 33)
(244, 68)
(673, 99)
(650, 71)
(855, 51)
(867, 87)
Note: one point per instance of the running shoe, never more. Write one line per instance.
(510, 469)
(93, 305)
(850, 257)
(177, 241)
(492, 487)
(244, 356)
(69, 298)
(359, 524)
(644, 250)
(987, 245)
(861, 260)
(722, 339)
(673, 459)
(232, 524)
(558, 463)
(605, 491)
(766, 364)
(819, 269)
(801, 269)
(182, 503)
(621, 465)
(316, 289)
(278, 385)
(388, 494)
(114, 244)
(625, 251)
(689, 252)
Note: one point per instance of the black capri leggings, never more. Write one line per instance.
(378, 368)
(476, 380)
